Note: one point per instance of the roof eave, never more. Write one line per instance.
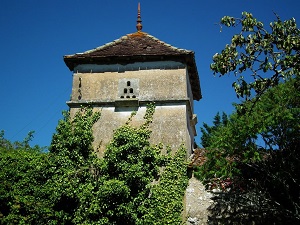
(72, 60)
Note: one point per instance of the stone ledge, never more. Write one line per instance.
(127, 102)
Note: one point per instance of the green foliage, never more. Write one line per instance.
(207, 130)
(24, 145)
(130, 160)
(43, 188)
(255, 155)
(273, 118)
(273, 124)
(23, 198)
(257, 50)
(71, 185)
(164, 204)
(74, 136)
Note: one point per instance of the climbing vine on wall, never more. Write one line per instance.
(165, 202)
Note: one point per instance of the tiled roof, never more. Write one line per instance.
(198, 157)
(138, 47)
(138, 43)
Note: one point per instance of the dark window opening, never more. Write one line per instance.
(122, 96)
(79, 82)
(127, 96)
(131, 90)
(125, 90)
(133, 96)
(128, 83)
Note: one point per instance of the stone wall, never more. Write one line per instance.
(197, 203)
(118, 93)
(169, 125)
(154, 85)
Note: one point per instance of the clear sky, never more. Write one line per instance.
(36, 34)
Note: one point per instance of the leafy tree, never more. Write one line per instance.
(24, 171)
(269, 56)
(272, 125)
(43, 188)
(257, 156)
(8, 145)
(207, 130)
(256, 152)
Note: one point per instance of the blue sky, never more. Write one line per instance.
(36, 34)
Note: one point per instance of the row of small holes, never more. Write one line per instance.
(128, 96)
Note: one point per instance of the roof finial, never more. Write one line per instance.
(139, 25)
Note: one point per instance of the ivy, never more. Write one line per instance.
(165, 202)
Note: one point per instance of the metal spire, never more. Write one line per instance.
(139, 25)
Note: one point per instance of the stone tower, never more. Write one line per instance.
(124, 75)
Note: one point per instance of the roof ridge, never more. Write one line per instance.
(169, 45)
(108, 44)
(138, 33)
